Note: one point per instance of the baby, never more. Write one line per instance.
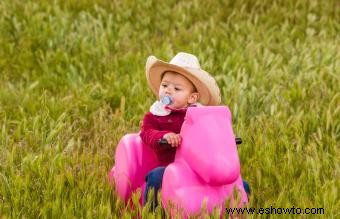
(179, 84)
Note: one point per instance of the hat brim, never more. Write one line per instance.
(208, 96)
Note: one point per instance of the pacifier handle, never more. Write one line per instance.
(166, 100)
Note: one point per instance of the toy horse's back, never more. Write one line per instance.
(133, 160)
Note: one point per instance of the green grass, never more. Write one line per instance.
(72, 84)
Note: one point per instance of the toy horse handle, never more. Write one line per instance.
(163, 141)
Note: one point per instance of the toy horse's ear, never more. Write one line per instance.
(228, 114)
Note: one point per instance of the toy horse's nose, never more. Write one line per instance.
(222, 171)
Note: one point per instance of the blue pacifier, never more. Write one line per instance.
(166, 100)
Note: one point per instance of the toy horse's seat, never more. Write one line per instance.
(206, 165)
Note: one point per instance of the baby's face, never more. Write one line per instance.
(179, 88)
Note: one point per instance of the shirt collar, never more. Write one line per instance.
(159, 109)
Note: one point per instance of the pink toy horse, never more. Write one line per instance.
(206, 166)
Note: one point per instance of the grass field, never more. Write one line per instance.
(72, 84)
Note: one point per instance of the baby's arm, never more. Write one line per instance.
(150, 134)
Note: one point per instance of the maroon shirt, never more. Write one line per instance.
(153, 129)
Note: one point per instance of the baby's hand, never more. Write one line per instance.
(173, 139)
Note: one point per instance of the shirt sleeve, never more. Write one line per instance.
(150, 133)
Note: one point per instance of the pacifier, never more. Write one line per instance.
(166, 100)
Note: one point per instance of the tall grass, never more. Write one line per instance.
(72, 84)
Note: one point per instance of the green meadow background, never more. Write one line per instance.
(72, 83)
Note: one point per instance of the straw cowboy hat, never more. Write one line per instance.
(187, 65)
